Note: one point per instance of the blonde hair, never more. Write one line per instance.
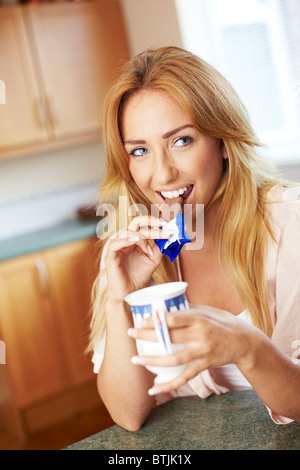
(242, 226)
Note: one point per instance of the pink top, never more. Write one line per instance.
(283, 269)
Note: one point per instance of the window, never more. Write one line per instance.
(256, 45)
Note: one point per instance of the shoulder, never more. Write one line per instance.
(282, 197)
(283, 206)
(284, 254)
(284, 259)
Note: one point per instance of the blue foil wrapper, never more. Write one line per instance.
(173, 245)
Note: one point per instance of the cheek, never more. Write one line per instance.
(209, 165)
(140, 175)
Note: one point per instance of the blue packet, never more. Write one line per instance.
(173, 245)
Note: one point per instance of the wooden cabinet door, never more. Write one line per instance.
(22, 114)
(34, 352)
(78, 47)
(72, 269)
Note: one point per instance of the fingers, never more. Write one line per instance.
(125, 239)
(180, 328)
(179, 358)
(149, 334)
(189, 372)
(192, 317)
(144, 221)
(180, 319)
(138, 333)
(140, 230)
(140, 239)
(141, 224)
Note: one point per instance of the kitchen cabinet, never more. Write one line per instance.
(57, 60)
(10, 422)
(72, 270)
(44, 316)
(20, 121)
(30, 332)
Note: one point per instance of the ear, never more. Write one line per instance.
(223, 149)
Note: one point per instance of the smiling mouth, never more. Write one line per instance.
(183, 192)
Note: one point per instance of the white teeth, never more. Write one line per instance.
(172, 194)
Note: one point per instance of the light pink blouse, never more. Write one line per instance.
(283, 276)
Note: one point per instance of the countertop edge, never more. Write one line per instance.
(69, 231)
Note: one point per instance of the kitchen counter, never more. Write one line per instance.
(231, 421)
(69, 231)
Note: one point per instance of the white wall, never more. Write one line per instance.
(290, 172)
(49, 171)
(43, 190)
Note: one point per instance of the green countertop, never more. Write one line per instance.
(66, 232)
(231, 421)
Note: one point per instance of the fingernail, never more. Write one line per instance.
(138, 360)
(154, 390)
(132, 332)
(149, 248)
(133, 239)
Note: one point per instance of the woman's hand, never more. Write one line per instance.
(130, 260)
(211, 339)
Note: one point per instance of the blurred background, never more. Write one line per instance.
(56, 60)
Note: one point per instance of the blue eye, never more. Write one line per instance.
(182, 141)
(138, 152)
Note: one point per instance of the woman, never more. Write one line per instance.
(174, 125)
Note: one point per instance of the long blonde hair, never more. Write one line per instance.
(242, 226)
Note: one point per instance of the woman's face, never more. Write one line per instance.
(168, 156)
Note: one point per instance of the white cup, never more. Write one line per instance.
(156, 301)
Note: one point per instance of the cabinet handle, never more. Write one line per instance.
(43, 275)
(42, 110)
(53, 111)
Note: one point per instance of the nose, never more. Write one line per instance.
(164, 170)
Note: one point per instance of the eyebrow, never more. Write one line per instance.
(164, 136)
(174, 131)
